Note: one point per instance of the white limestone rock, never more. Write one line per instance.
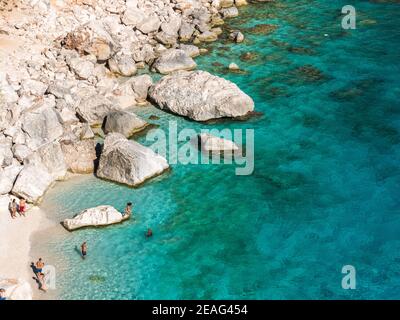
(214, 144)
(51, 157)
(94, 108)
(128, 162)
(191, 50)
(79, 155)
(173, 60)
(94, 217)
(200, 96)
(32, 183)
(126, 123)
(122, 64)
(41, 126)
(8, 176)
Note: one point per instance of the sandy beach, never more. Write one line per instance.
(15, 245)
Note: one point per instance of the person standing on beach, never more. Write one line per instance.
(22, 207)
(84, 250)
(13, 208)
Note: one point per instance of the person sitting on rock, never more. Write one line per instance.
(128, 209)
(13, 207)
(22, 207)
(3, 294)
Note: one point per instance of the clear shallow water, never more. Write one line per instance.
(325, 191)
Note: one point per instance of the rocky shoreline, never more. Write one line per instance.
(69, 66)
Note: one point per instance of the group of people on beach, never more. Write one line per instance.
(37, 267)
(19, 208)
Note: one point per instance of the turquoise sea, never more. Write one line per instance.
(325, 191)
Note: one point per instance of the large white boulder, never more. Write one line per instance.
(200, 96)
(51, 156)
(94, 108)
(41, 126)
(32, 183)
(79, 155)
(16, 289)
(128, 162)
(8, 176)
(124, 122)
(173, 60)
(94, 217)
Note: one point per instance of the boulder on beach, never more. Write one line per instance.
(8, 176)
(16, 289)
(213, 144)
(94, 108)
(173, 60)
(200, 96)
(128, 162)
(124, 122)
(41, 126)
(79, 155)
(51, 156)
(32, 183)
(95, 217)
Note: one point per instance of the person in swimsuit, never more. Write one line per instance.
(84, 250)
(128, 209)
(13, 208)
(42, 282)
(22, 207)
(39, 267)
(149, 233)
(3, 294)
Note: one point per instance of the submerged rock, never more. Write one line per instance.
(95, 217)
(213, 144)
(200, 96)
(128, 162)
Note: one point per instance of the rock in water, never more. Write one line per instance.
(213, 144)
(200, 96)
(94, 217)
(128, 162)
(123, 122)
(173, 60)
